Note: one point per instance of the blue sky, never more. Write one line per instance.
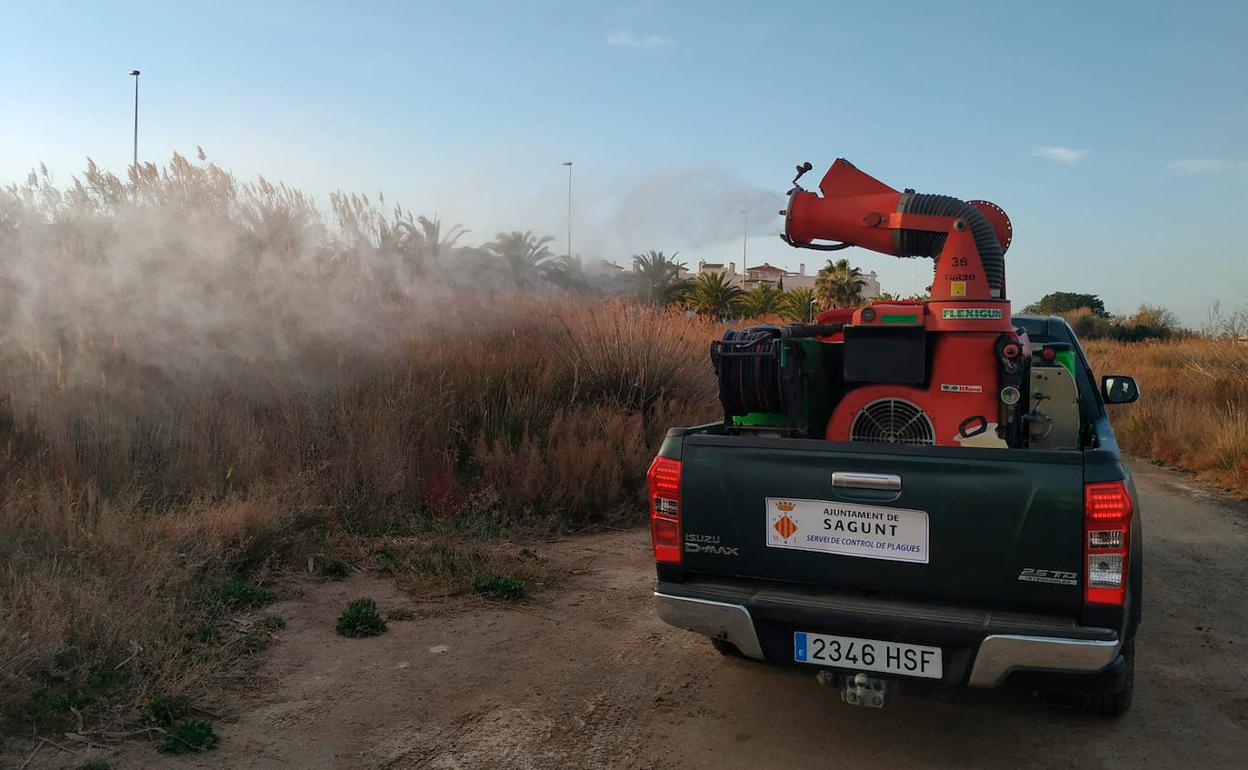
(1115, 133)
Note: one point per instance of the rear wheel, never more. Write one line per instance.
(1113, 704)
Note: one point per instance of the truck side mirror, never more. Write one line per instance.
(1119, 389)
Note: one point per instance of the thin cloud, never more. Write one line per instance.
(626, 39)
(1058, 153)
(1194, 166)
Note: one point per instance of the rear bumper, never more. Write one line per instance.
(981, 649)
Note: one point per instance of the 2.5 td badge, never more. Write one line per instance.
(1054, 576)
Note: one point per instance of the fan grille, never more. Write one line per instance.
(892, 421)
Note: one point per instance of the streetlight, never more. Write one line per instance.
(745, 232)
(568, 163)
(135, 73)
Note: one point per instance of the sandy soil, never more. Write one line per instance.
(588, 677)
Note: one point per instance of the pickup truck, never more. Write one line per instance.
(1026, 572)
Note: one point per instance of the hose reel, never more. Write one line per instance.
(759, 369)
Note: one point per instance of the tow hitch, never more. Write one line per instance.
(860, 689)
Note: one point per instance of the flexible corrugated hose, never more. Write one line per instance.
(922, 243)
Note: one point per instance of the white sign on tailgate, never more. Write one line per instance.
(848, 529)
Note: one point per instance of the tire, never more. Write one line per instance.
(727, 649)
(1113, 704)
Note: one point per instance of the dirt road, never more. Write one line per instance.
(587, 677)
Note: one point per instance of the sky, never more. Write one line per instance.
(1115, 134)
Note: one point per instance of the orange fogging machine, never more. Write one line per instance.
(949, 370)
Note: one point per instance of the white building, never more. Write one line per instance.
(768, 274)
(730, 273)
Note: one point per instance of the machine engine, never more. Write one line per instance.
(948, 371)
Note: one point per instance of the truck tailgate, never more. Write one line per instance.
(979, 525)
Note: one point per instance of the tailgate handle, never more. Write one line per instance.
(882, 481)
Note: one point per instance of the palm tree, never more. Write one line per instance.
(712, 295)
(420, 239)
(524, 254)
(762, 300)
(658, 278)
(566, 272)
(798, 304)
(839, 284)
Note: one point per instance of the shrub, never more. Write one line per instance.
(188, 734)
(61, 698)
(499, 587)
(335, 569)
(1150, 322)
(164, 710)
(361, 618)
(1088, 324)
(239, 594)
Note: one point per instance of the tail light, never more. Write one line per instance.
(663, 494)
(1107, 513)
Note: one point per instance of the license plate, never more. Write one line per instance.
(868, 655)
(847, 529)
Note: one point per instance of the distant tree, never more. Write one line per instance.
(1150, 322)
(799, 304)
(712, 295)
(566, 272)
(422, 239)
(839, 284)
(1232, 324)
(762, 300)
(1060, 302)
(657, 278)
(1087, 324)
(523, 254)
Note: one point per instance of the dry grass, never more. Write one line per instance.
(1193, 412)
(116, 508)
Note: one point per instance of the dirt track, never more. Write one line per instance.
(588, 677)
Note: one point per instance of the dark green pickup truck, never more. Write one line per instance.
(878, 564)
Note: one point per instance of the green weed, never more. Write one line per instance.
(164, 710)
(361, 618)
(500, 587)
(188, 734)
(239, 594)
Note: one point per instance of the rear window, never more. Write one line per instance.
(1054, 329)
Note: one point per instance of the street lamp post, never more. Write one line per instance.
(745, 232)
(568, 163)
(135, 73)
